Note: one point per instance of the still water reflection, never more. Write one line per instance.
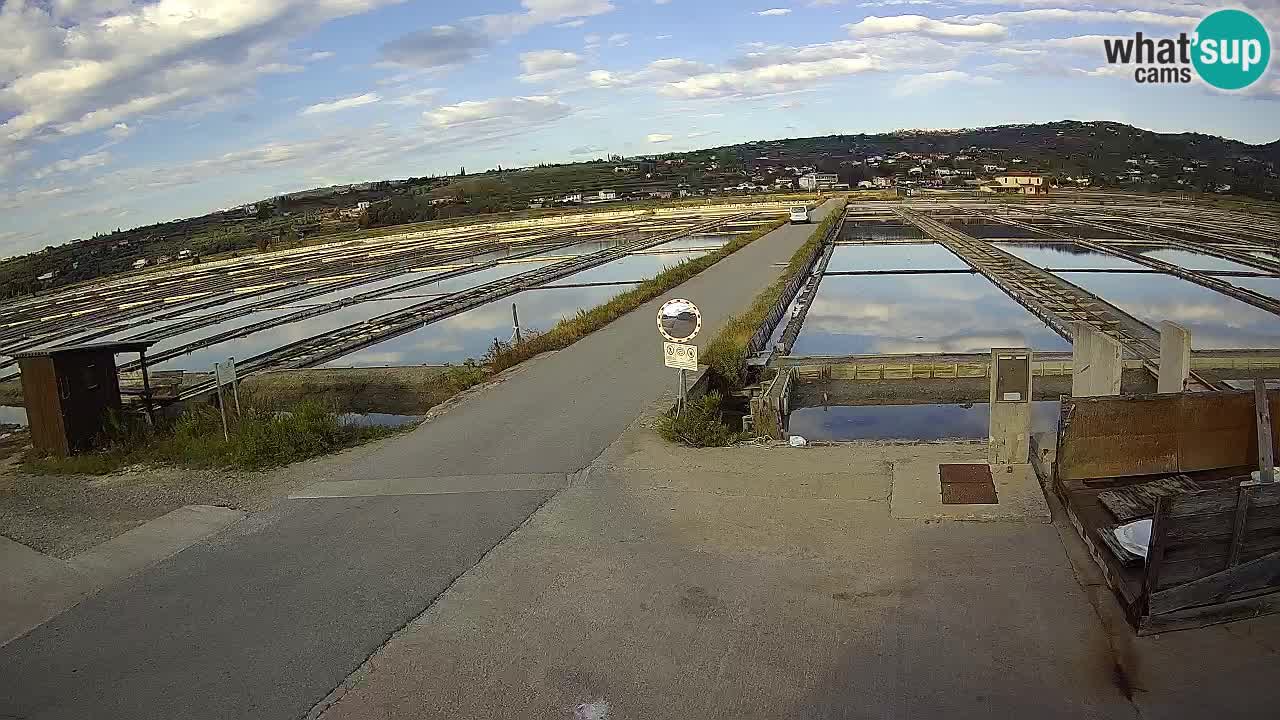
(1196, 261)
(470, 334)
(1067, 256)
(917, 314)
(1215, 320)
(908, 422)
(915, 256)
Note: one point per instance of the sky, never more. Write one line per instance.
(117, 114)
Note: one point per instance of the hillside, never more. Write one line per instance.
(1101, 154)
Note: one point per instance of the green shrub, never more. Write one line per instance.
(701, 424)
(257, 439)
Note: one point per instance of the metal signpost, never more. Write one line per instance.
(679, 322)
(224, 373)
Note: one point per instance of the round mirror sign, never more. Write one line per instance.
(679, 320)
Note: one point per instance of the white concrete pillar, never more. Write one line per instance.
(1175, 358)
(1009, 439)
(1097, 361)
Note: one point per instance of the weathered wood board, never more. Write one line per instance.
(1109, 437)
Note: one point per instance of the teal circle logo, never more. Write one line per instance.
(1232, 49)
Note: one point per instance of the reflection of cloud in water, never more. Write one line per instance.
(900, 314)
(908, 422)
(1216, 321)
(470, 334)
(952, 344)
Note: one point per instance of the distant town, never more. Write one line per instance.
(1021, 159)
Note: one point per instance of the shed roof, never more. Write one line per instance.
(113, 347)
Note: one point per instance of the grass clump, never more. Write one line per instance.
(570, 330)
(727, 352)
(700, 425)
(258, 440)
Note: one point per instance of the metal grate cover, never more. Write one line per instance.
(967, 485)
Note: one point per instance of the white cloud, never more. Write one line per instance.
(516, 111)
(572, 23)
(120, 131)
(341, 104)
(920, 25)
(618, 40)
(13, 160)
(774, 12)
(319, 55)
(662, 37)
(701, 133)
(72, 68)
(768, 79)
(542, 12)
(929, 82)
(662, 70)
(418, 98)
(66, 165)
(657, 138)
(543, 65)
(588, 150)
(279, 68)
(1044, 15)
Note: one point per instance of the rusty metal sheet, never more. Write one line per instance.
(965, 473)
(967, 493)
(967, 484)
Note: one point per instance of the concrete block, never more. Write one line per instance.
(1096, 362)
(917, 495)
(1009, 438)
(1175, 357)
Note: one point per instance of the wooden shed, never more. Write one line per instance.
(70, 391)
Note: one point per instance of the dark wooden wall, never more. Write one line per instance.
(91, 389)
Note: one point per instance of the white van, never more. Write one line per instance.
(799, 215)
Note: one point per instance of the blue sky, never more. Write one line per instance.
(116, 113)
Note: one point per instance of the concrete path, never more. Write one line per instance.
(267, 618)
(776, 583)
(35, 587)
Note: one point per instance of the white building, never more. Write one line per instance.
(818, 181)
(1018, 183)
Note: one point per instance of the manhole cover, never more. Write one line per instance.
(967, 485)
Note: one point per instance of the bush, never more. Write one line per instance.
(700, 425)
(256, 440)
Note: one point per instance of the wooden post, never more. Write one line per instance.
(515, 324)
(235, 384)
(1266, 454)
(222, 410)
(146, 388)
